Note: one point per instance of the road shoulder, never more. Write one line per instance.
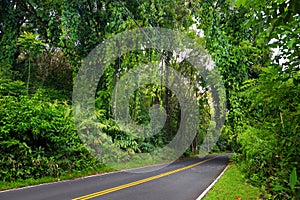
(232, 185)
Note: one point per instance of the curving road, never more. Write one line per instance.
(181, 180)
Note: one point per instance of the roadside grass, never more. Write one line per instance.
(232, 185)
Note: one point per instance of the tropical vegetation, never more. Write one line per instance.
(254, 45)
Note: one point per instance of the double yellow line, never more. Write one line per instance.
(121, 187)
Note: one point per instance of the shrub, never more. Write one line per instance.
(38, 138)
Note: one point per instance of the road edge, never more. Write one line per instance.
(213, 183)
(92, 175)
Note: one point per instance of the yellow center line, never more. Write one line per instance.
(121, 187)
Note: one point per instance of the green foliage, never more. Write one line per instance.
(30, 43)
(38, 138)
(31, 47)
(43, 43)
(12, 88)
(234, 53)
(123, 140)
(270, 150)
(232, 185)
(262, 89)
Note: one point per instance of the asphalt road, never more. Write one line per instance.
(181, 180)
